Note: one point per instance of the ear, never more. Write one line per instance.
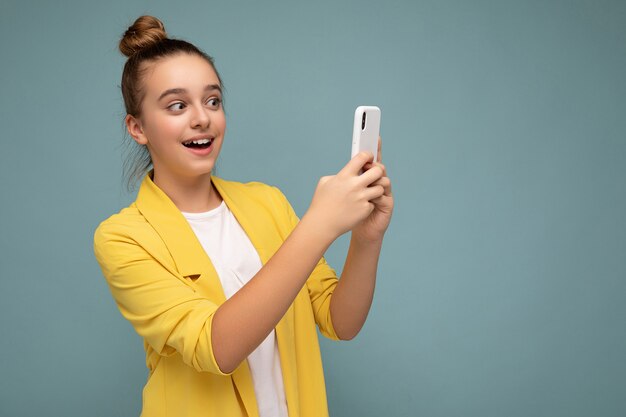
(133, 125)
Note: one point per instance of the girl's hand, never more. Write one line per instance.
(345, 200)
(373, 227)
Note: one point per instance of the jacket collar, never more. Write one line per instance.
(189, 256)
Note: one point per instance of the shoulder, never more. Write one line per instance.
(127, 226)
(128, 218)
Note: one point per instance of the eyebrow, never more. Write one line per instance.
(209, 87)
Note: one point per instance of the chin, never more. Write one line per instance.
(201, 171)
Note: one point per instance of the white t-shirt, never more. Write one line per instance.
(236, 261)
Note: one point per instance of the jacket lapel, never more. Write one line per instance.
(188, 254)
(192, 261)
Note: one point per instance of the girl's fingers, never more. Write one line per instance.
(385, 182)
(374, 192)
(356, 164)
(373, 164)
(377, 201)
(380, 150)
(371, 175)
(382, 201)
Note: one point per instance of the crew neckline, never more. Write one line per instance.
(205, 214)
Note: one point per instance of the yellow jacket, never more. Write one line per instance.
(164, 284)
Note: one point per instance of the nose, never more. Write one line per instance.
(200, 117)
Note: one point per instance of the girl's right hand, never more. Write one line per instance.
(343, 200)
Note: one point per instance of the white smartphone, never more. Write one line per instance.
(366, 130)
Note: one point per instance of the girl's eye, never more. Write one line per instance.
(214, 102)
(176, 106)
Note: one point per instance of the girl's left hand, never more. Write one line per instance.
(374, 226)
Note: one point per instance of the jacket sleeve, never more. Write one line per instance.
(320, 284)
(161, 306)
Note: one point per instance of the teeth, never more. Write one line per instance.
(198, 142)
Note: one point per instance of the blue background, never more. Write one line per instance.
(502, 283)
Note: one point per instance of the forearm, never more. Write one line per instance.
(352, 298)
(244, 320)
(340, 203)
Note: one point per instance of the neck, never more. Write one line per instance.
(191, 195)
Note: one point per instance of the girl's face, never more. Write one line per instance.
(182, 120)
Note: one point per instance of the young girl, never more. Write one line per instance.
(221, 280)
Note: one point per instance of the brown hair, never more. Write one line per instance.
(144, 43)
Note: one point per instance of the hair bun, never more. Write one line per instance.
(146, 31)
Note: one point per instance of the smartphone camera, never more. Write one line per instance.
(363, 122)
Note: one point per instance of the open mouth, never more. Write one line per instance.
(198, 143)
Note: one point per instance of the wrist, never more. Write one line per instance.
(317, 229)
(361, 239)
